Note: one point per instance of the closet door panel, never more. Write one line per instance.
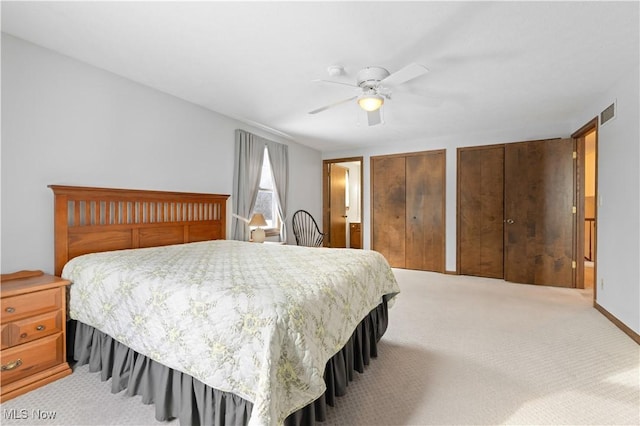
(417, 204)
(539, 199)
(388, 208)
(425, 237)
(481, 211)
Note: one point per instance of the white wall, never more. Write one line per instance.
(618, 203)
(305, 185)
(65, 122)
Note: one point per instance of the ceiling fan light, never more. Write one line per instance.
(370, 102)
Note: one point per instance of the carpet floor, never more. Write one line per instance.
(458, 350)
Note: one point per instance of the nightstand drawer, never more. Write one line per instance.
(30, 358)
(28, 329)
(30, 303)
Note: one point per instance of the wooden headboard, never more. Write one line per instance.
(90, 220)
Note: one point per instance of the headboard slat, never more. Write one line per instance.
(90, 220)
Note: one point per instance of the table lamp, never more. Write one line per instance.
(258, 234)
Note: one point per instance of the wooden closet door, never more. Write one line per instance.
(425, 217)
(539, 199)
(388, 208)
(481, 211)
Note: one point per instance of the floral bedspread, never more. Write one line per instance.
(257, 320)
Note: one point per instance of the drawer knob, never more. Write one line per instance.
(10, 310)
(40, 327)
(23, 335)
(13, 364)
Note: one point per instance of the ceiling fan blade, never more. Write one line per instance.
(334, 82)
(373, 117)
(315, 111)
(405, 74)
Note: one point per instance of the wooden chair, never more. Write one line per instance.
(306, 229)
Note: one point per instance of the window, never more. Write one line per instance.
(266, 200)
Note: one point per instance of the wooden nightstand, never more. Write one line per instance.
(33, 348)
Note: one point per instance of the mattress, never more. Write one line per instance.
(256, 320)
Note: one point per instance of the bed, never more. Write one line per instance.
(213, 331)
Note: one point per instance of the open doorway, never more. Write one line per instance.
(587, 165)
(589, 208)
(342, 202)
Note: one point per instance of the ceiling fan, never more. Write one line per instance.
(374, 83)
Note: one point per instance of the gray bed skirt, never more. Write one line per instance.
(178, 395)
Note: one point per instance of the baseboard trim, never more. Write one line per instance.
(622, 326)
(451, 272)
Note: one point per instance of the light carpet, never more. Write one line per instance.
(459, 350)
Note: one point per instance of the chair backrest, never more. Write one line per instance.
(306, 229)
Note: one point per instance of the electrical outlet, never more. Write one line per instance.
(601, 283)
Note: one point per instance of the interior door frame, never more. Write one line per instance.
(326, 195)
(579, 136)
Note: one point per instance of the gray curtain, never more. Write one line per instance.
(279, 158)
(249, 154)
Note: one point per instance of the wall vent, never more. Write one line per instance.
(608, 114)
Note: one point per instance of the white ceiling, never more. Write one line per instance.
(492, 64)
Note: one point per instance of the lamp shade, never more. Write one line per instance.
(258, 220)
(370, 102)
